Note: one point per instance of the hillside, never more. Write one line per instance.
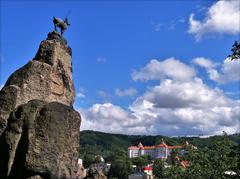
(106, 144)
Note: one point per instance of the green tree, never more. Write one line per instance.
(213, 161)
(121, 166)
(88, 159)
(120, 169)
(235, 51)
(140, 161)
(172, 160)
(158, 168)
(175, 172)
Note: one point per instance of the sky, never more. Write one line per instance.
(139, 67)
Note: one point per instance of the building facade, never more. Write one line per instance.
(160, 151)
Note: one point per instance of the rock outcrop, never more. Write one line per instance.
(41, 139)
(47, 77)
(39, 129)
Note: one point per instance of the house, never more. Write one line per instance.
(159, 151)
(148, 170)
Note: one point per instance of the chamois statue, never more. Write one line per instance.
(60, 23)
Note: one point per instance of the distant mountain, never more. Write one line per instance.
(106, 144)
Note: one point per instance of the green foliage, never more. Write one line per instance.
(141, 161)
(175, 172)
(235, 51)
(88, 160)
(213, 161)
(120, 166)
(158, 168)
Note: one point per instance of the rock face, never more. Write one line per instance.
(39, 129)
(41, 139)
(47, 77)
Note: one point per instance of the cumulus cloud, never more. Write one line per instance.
(172, 107)
(159, 70)
(106, 117)
(194, 94)
(126, 92)
(176, 108)
(221, 18)
(229, 70)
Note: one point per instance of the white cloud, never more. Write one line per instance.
(174, 94)
(105, 117)
(1, 86)
(101, 59)
(229, 70)
(204, 62)
(104, 95)
(176, 108)
(126, 92)
(182, 20)
(80, 93)
(173, 107)
(156, 26)
(159, 70)
(221, 18)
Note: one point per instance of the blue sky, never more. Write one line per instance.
(132, 60)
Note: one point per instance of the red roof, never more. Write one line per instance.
(133, 147)
(148, 168)
(175, 147)
(155, 147)
(185, 163)
(162, 145)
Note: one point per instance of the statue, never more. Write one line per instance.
(60, 23)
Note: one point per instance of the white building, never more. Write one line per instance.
(160, 151)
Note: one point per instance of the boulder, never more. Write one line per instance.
(41, 141)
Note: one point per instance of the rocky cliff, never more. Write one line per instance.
(39, 129)
(47, 77)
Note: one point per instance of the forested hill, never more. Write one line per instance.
(106, 144)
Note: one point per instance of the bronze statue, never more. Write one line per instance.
(60, 23)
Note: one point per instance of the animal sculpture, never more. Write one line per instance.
(62, 24)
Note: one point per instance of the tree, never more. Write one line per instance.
(88, 160)
(235, 51)
(175, 172)
(141, 161)
(213, 161)
(121, 166)
(120, 169)
(158, 168)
